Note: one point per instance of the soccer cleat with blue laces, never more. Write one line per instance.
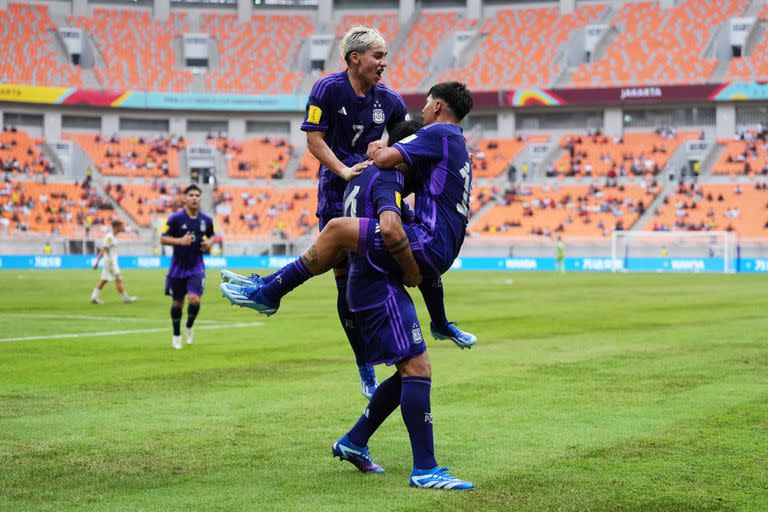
(227, 276)
(248, 297)
(368, 380)
(360, 457)
(451, 332)
(438, 478)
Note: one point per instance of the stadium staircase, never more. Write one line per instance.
(650, 211)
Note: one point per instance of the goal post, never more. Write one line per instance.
(675, 250)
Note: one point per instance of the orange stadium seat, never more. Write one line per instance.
(255, 57)
(410, 66)
(574, 211)
(132, 156)
(494, 155)
(387, 24)
(309, 167)
(752, 68)
(659, 46)
(19, 154)
(28, 56)
(58, 208)
(265, 211)
(137, 49)
(742, 157)
(145, 203)
(740, 208)
(262, 158)
(598, 155)
(519, 47)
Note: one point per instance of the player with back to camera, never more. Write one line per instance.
(190, 232)
(346, 111)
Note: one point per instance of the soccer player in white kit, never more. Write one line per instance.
(111, 270)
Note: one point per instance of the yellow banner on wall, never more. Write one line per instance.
(32, 93)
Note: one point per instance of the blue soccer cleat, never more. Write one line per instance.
(451, 332)
(248, 297)
(438, 478)
(368, 380)
(345, 449)
(227, 276)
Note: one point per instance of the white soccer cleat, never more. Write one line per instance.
(96, 300)
(190, 335)
(176, 342)
(130, 300)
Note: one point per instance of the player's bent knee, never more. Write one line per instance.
(193, 299)
(418, 366)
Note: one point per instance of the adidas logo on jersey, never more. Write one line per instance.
(343, 111)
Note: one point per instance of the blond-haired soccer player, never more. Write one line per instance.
(111, 270)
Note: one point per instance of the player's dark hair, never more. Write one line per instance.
(456, 95)
(402, 130)
(191, 187)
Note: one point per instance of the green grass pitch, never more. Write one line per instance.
(585, 392)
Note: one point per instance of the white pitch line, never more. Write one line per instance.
(119, 333)
(76, 317)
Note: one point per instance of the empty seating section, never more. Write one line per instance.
(635, 154)
(411, 65)
(659, 46)
(256, 57)
(519, 47)
(57, 208)
(754, 67)
(574, 211)
(255, 158)
(740, 208)
(270, 212)
(29, 54)
(132, 156)
(19, 154)
(137, 49)
(742, 157)
(493, 156)
(309, 167)
(146, 203)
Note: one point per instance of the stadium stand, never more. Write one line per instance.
(137, 49)
(262, 158)
(742, 208)
(387, 24)
(309, 167)
(255, 57)
(520, 46)
(573, 210)
(633, 154)
(659, 46)
(132, 156)
(19, 154)
(754, 67)
(493, 156)
(281, 213)
(65, 209)
(747, 156)
(146, 203)
(410, 66)
(28, 54)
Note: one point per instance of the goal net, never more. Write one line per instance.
(694, 251)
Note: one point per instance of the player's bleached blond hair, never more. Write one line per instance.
(360, 39)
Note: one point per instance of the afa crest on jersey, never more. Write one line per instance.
(378, 116)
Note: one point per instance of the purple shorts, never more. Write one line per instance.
(391, 330)
(372, 247)
(179, 287)
(330, 196)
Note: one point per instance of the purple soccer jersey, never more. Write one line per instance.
(438, 156)
(187, 260)
(367, 196)
(350, 123)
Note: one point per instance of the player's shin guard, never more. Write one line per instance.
(192, 311)
(384, 401)
(432, 291)
(176, 320)
(348, 322)
(417, 415)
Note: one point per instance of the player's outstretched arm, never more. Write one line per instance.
(399, 246)
(386, 158)
(177, 240)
